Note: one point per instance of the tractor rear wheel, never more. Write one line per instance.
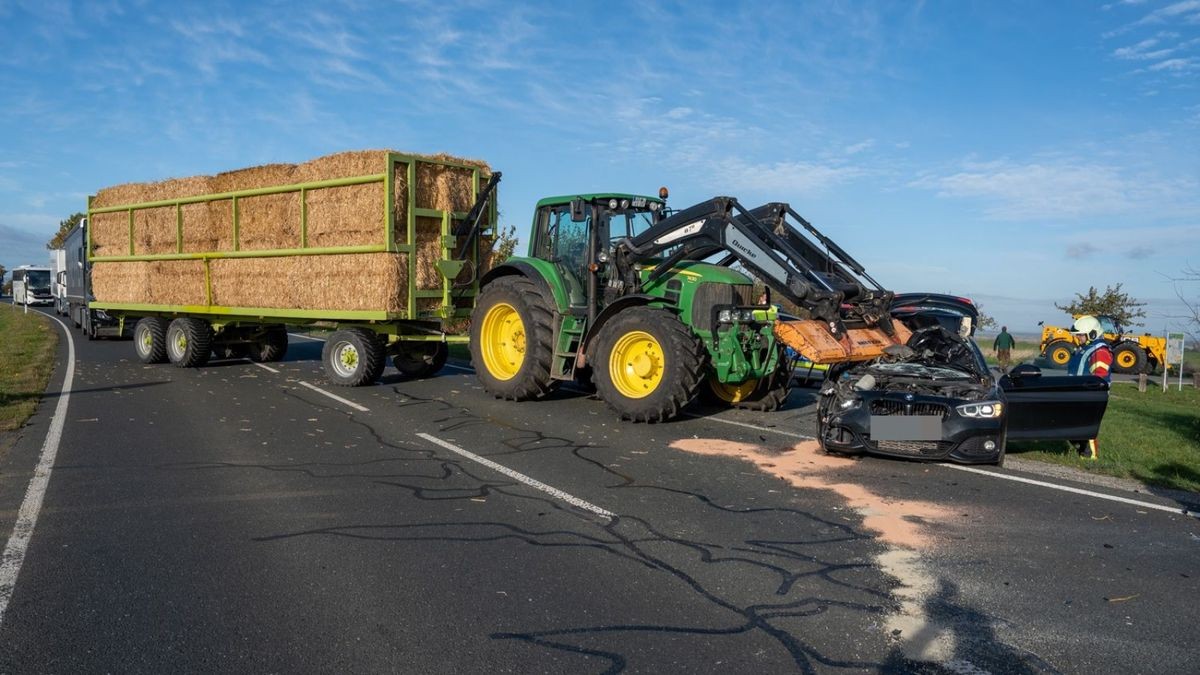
(765, 394)
(353, 357)
(150, 339)
(648, 364)
(512, 340)
(1059, 352)
(189, 342)
(420, 359)
(1129, 358)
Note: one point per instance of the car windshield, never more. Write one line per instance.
(38, 279)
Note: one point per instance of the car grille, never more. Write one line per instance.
(916, 448)
(885, 406)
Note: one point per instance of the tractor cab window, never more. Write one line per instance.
(629, 223)
(564, 242)
(1107, 325)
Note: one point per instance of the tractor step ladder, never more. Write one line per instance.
(566, 347)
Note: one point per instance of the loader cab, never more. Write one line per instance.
(574, 233)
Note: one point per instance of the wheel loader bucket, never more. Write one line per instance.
(812, 340)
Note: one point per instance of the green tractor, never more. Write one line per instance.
(654, 306)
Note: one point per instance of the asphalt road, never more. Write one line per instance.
(232, 518)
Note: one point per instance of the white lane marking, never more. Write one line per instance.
(18, 541)
(714, 418)
(532, 482)
(335, 397)
(465, 369)
(264, 366)
(1075, 490)
(306, 337)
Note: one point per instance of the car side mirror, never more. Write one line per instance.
(578, 210)
(1025, 370)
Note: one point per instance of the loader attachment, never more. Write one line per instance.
(813, 339)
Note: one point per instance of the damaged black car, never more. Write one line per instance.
(935, 398)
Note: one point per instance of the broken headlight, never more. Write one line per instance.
(986, 409)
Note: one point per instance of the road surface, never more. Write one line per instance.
(247, 518)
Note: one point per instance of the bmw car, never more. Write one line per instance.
(935, 398)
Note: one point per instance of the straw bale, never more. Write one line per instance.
(445, 188)
(429, 251)
(350, 215)
(208, 226)
(135, 193)
(343, 165)
(154, 230)
(161, 282)
(269, 221)
(267, 175)
(109, 233)
(358, 281)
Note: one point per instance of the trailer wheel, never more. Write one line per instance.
(648, 365)
(421, 359)
(353, 357)
(512, 340)
(150, 339)
(1059, 352)
(189, 342)
(272, 347)
(1129, 358)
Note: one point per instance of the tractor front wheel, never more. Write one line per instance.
(1059, 352)
(1129, 358)
(512, 340)
(647, 364)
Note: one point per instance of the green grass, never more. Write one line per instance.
(1153, 437)
(1025, 351)
(27, 344)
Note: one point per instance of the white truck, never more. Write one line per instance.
(58, 279)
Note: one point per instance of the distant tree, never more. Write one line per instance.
(506, 244)
(64, 226)
(985, 322)
(1191, 316)
(2, 271)
(1124, 308)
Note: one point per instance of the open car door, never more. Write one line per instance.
(1053, 407)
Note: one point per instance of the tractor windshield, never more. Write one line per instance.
(629, 223)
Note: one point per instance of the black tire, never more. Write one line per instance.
(1129, 357)
(272, 347)
(89, 326)
(420, 359)
(1055, 351)
(229, 351)
(679, 365)
(150, 339)
(353, 357)
(514, 373)
(189, 342)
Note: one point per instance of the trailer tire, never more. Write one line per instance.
(512, 340)
(353, 357)
(1059, 352)
(272, 347)
(189, 342)
(417, 360)
(1129, 358)
(150, 339)
(648, 365)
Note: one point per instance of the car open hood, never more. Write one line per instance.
(949, 310)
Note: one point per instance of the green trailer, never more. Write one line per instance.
(417, 266)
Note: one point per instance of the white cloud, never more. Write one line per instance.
(1057, 189)
(1176, 65)
(859, 147)
(779, 177)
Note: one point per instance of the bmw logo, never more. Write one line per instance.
(908, 397)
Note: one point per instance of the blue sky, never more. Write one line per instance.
(1016, 152)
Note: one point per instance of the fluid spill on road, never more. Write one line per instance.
(898, 523)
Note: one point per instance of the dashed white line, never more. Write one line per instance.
(465, 369)
(335, 397)
(18, 542)
(531, 482)
(265, 367)
(1074, 490)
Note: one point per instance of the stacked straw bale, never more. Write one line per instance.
(340, 216)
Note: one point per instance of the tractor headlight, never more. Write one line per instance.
(612, 204)
(984, 410)
(735, 315)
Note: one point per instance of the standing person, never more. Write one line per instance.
(1003, 348)
(1093, 358)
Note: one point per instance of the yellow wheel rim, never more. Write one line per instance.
(503, 338)
(1060, 356)
(733, 393)
(636, 364)
(1126, 359)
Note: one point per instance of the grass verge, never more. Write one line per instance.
(27, 344)
(1153, 437)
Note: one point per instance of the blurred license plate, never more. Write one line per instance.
(906, 428)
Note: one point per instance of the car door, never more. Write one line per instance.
(1049, 407)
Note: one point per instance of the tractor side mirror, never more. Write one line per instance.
(578, 210)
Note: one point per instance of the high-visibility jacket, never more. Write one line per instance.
(1094, 359)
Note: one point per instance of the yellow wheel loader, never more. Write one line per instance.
(1131, 353)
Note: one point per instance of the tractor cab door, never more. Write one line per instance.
(563, 240)
(1052, 407)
